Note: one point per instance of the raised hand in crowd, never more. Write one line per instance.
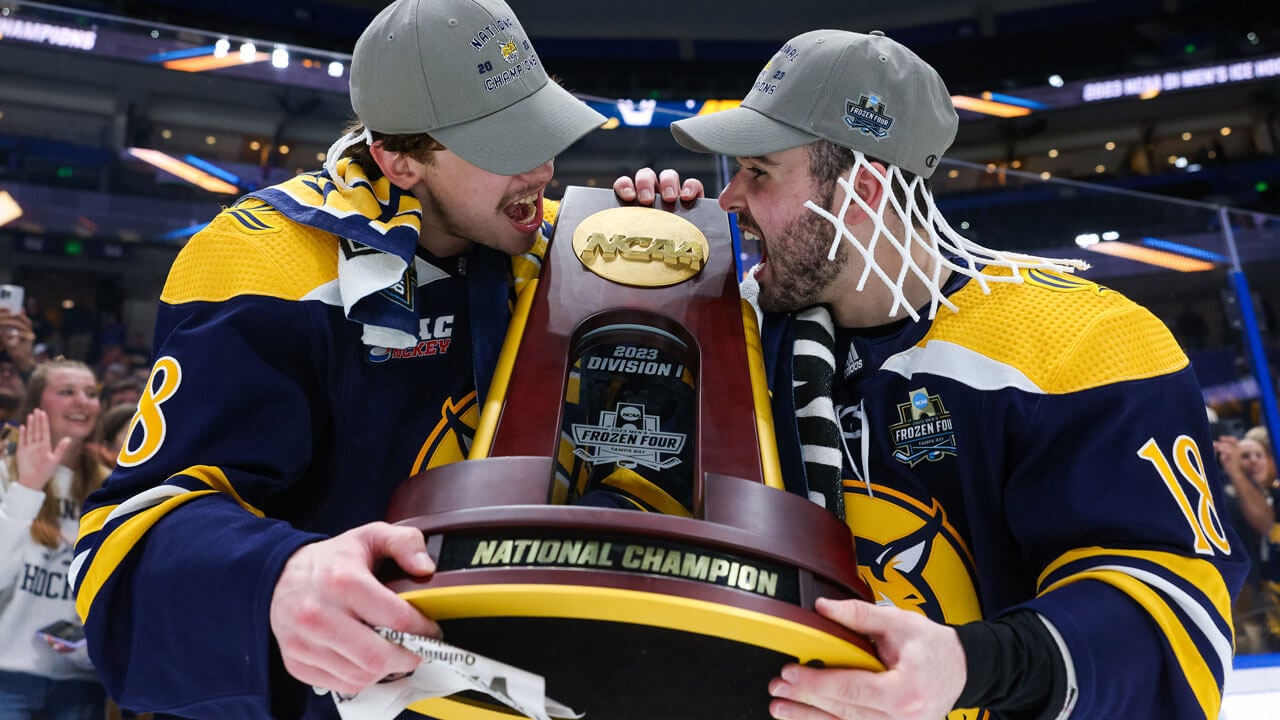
(37, 455)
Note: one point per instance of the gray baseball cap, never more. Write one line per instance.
(465, 72)
(864, 92)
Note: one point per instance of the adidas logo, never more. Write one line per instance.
(852, 363)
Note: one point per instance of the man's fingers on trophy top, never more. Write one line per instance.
(625, 188)
(669, 182)
(692, 189)
(646, 185)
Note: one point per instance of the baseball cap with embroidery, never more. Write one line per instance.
(864, 92)
(465, 72)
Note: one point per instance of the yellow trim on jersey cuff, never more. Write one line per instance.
(215, 478)
(1199, 676)
(1195, 571)
(112, 550)
(92, 521)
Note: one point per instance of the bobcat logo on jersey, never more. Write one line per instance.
(450, 440)
(910, 555)
(912, 558)
(925, 430)
(899, 564)
(629, 437)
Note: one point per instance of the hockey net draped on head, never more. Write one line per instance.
(924, 227)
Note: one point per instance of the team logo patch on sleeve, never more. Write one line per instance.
(924, 430)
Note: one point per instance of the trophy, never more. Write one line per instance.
(621, 526)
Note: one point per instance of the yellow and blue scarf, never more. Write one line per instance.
(378, 225)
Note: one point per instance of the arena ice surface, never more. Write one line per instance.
(1253, 690)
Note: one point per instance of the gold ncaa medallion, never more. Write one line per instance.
(640, 246)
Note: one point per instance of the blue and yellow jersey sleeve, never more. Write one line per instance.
(267, 424)
(1111, 495)
(221, 435)
(1046, 448)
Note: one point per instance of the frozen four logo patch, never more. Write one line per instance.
(867, 115)
(629, 437)
(924, 430)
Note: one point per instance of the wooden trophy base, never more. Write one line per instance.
(628, 615)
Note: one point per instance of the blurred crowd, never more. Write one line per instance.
(120, 377)
(1252, 494)
(62, 424)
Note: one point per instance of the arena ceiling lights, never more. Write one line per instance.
(208, 57)
(661, 113)
(184, 170)
(1150, 256)
(10, 210)
(998, 104)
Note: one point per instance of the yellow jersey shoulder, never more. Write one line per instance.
(1063, 332)
(252, 249)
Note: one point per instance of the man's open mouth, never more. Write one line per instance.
(523, 211)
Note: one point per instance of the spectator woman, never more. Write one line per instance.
(44, 671)
(1270, 570)
(1251, 474)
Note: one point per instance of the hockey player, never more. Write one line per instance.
(1022, 455)
(321, 341)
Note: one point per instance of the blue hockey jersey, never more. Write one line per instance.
(267, 424)
(1046, 447)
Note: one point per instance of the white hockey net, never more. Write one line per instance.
(942, 242)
